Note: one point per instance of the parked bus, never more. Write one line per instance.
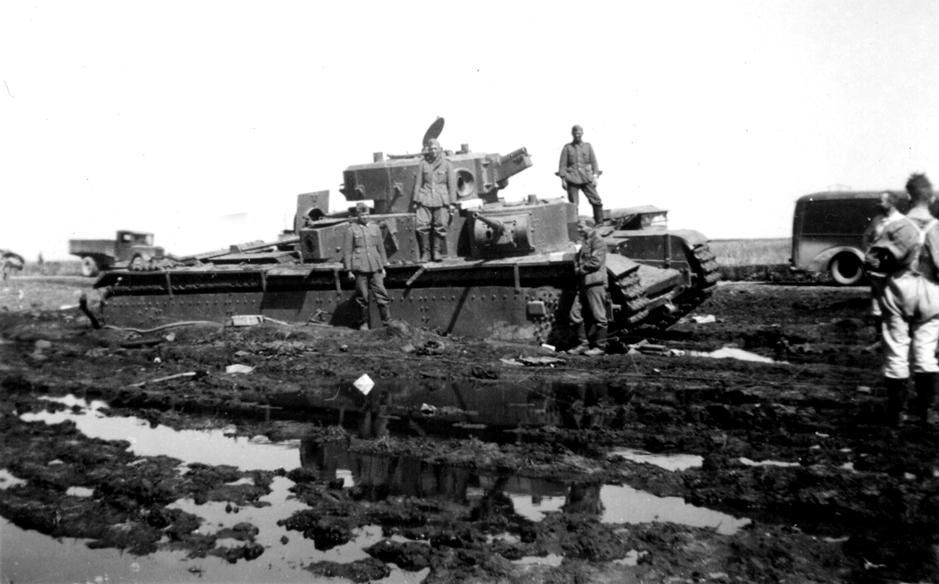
(827, 232)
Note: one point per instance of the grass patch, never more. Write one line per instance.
(752, 252)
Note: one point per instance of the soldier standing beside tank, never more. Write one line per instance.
(578, 170)
(364, 258)
(907, 254)
(590, 269)
(434, 194)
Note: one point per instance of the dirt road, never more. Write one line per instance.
(468, 461)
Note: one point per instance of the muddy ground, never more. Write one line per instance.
(838, 496)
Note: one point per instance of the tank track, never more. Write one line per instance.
(631, 298)
(705, 273)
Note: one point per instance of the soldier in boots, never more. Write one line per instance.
(906, 254)
(434, 195)
(590, 304)
(364, 258)
(579, 172)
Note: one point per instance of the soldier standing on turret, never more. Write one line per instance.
(364, 258)
(434, 194)
(578, 170)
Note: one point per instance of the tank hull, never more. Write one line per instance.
(523, 299)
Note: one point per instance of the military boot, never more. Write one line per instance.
(925, 384)
(439, 247)
(597, 214)
(580, 338)
(599, 342)
(896, 400)
(423, 245)
(384, 311)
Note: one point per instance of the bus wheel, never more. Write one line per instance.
(846, 269)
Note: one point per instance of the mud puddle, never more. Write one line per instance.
(380, 475)
(28, 556)
(214, 447)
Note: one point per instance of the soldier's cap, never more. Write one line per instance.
(361, 208)
(577, 127)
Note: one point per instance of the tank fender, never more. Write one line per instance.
(691, 237)
(618, 266)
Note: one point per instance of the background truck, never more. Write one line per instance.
(134, 248)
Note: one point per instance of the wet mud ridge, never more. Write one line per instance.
(744, 444)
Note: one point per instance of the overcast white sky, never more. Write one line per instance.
(201, 121)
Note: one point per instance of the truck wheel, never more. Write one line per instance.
(846, 269)
(90, 267)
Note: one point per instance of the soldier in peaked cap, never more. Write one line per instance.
(364, 258)
(578, 170)
(434, 194)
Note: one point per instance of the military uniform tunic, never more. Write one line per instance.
(434, 192)
(590, 267)
(578, 167)
(364, 255)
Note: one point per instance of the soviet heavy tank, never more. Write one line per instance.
(509, 273)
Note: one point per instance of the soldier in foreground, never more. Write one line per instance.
(364, 258)
(590, 303)
(578, 170)
(907, 254)
(434, 194)
(888, 214)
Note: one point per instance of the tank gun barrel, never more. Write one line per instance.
(497, 227)
(509, 165)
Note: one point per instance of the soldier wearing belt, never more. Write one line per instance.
(906, 254)
(434, 195)
(364, 258)
(590, 269)
(578, 170)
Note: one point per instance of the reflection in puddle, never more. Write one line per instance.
(671, 462)
(79, 492)
(28, 556)
(624, 504)
(550, 560)
(205, 446)
(380, 475)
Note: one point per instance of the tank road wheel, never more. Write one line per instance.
(90, 267)
(846, 269)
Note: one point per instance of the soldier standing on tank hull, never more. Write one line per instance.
(590, 269)
(434, 195)
(579, 171)
(364, 258)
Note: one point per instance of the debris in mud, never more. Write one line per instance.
(175, 376)
(238, 369)
(364, 384)
(522, 360)
(702, 318)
